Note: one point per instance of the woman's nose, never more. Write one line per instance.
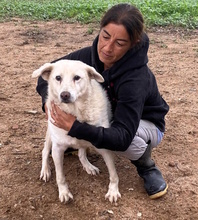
(109, 46)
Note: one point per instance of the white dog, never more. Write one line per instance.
(74, 87)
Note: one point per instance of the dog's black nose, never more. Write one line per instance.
(65, 96)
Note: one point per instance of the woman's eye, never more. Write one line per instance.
(106, 37)
(58, 78)
(76, 78)
(119, 44)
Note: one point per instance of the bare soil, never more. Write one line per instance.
(173, 57)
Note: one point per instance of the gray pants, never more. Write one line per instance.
(147, 131)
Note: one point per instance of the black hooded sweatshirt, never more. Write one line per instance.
(132, 91)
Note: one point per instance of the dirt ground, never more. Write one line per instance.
(173, 57)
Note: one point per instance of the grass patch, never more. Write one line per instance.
(156, 12)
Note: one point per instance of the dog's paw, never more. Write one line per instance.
(113, 195)
(45, 173)
(91, 169)
(65, 195)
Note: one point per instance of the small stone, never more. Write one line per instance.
(172, 164)
(32, 207)
(110, 212)
(139, 214)
(33, 112)
(57, 45)
(15, 127)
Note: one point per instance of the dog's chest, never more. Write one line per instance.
(60, 138)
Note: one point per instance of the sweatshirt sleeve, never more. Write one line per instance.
(115, 139)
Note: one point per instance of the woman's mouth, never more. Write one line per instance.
(106, 55)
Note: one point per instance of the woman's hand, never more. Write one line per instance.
(60, 118)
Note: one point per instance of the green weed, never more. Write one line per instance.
(183, 13)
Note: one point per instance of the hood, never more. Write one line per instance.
(133, 59)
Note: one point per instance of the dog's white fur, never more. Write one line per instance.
(88, 102)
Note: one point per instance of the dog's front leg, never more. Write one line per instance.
(46, 170)
(58, 156)
(113, 193)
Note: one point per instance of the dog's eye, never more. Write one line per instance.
(76, 78)
(58, 78)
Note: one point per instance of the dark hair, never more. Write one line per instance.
(127, 15)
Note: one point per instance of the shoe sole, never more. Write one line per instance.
(159, 194)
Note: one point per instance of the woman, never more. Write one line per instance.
(119, 54)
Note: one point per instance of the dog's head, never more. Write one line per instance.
(67, 79)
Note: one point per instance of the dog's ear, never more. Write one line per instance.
(43, 71)
(93, 74)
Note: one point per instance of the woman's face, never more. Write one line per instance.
(113, 43)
